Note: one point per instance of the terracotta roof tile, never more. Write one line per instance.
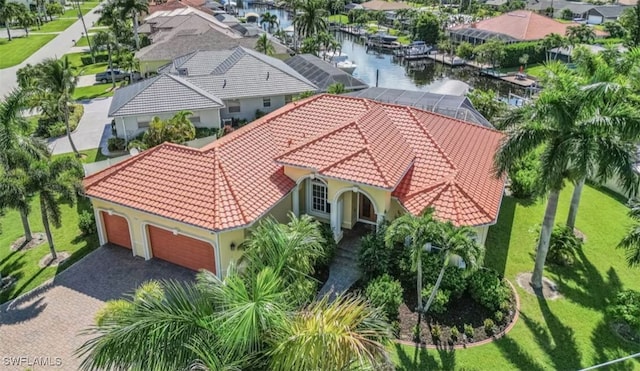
(425, 158)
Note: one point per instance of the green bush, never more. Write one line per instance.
(499, 317)
(49, 127)
(87, 223)
(440, 301)
(514, 51)
(524, 176)
(436, 333)
(330, 245)
(489, 326)
(374, 257)
(206, 132)
(116, 144)
(455, 333)
(626, 309)
(468, 330)
(488, 289)
(563, 246)
(454, 280)
(385, 293)
(100, 58)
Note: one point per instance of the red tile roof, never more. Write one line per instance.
(425, 158)
(523, 25)
(179, 4)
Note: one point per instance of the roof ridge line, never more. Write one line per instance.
(233, 192)
(473, 201)
(270, 63)
(361, 150)
(150, 82)
(427, 187)
(317, 138)
(432, 139)
(368, 146)
(196, 88)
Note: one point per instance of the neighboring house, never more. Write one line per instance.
(341, 159)
(207, 6)
(385, 5)
(214, 85)
(607, 13)
(564, 54)
(516, 26)
(322, 73)
(178, 32)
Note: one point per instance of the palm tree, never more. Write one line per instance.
(134, 8)
(631, 242)
(552, 40)
(271, 20)
(581, 34)
(25, 19)
(311, 20)
(9, 11)
(264, 45)
(573, 126)
(16, 151)
(60, 80)
(344, 334)
(53, 180)
(336, 88)
(416, 233)
(107, 40)
(290, 249)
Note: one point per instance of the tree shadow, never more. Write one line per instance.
(516, 355)
(12, 269)
(499, 236)
(419, 360)
(447, 358)
(609, 347)
(555, 339)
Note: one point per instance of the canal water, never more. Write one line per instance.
(423, 75)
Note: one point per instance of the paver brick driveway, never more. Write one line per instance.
(45, 322)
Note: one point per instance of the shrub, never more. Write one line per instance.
(440, 302)
(330, 245)
(499, 317)
(488, 289)
(454, 279)
(468, 330)
(489, 326)
(116, 144)
(465, 50)
(136, 143)
(259, 114)
(455, 333)
(57, 129)
(374, 257)
(51, 127)
(87, 223)
(524, 176)
(436, 333)
(626, 309)
(100, 58)
(514, 51)
(416, 332)
(206, 132)
(563, 246)
(385, 293)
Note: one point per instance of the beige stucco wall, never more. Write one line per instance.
(482, 234)
(127, 127)
(151, 66)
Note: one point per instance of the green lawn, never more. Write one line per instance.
(83, 41)
(339, 18)
(566, 334)
(90, 69)
(93, 91)
(17, 50)
(24, 264)
(56, 25)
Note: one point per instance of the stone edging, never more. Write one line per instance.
(471, 345)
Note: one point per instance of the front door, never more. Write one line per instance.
(366, 211)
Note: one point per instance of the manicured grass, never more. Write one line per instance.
(339, 18)
(90, 69)
(83, 41)
(93, 91)
(23, 265)
(565, 334)
(17, 50)
(56, 25)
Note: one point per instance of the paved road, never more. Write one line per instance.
(54, 49)
(46, 321)
(93, 129)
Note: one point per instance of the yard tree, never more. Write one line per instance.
(26, 19)
(615, 29)
(566, 14)
(491, 52)
(177, 129)
(631, 242)
(552, 40)
(54, 8)
(270, 20)
(54, 180)
(464, 50)
(336, 88)
(264, 45)
(133, 8)
(571, 123)
(9, 12)
(581, 34)
(106, 39)
(487, 103)
(310, 19)
(426, 27)
(630, 20)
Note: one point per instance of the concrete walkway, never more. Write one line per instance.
(46, 322)
(93, 129)
(54, 49)
(344, 271)
(86, 80)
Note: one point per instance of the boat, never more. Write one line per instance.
(334, 57)
(383, 40)
(347, 66)
(416, 50)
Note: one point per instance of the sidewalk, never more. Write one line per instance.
(54, 49)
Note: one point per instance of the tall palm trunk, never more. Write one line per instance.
(113, 76)
(438, 281)
(25, 225)
(6, 24)
(136, 37)
(419, 291)
(575, 203)
(47, 228)
(66, 122)
(545, 237)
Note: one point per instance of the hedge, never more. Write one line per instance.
(513, 52)
(48, 129)
(87, 60)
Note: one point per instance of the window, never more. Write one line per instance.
(143, 122)
(233, 106)
(194, 119)
(266, 102)
(288, 99)
(319, 197)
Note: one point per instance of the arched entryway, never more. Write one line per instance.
(353, 207)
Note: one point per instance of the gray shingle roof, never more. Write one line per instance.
(163, 93)
(322, 73)
(459, 107)
(610, 11)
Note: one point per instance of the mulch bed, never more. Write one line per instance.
(459, 312)
(46, 261)
(625, 332)
(38, 239)
(6, 282)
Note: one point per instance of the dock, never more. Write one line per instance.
(446, 59)
(521, 80)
